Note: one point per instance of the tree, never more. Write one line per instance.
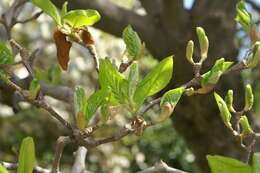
(165, 29)
(169, 30)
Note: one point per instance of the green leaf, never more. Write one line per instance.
(34, 88)
(79, 18)
(80, 100)
(172, 96)
(110, 78)
(243, 16)
(211, 77)
(132, 41)
(224, 112)
(27, 160)
(220, 164)
(246, 128)
(154, 81)
(133, 80)
(5, 54)
(64, 9)
(49, 8)
(2, 169)
(55, 74)
(94, 102)
(256, 163)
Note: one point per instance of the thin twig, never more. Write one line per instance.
(161, 167)
(35, 16)
(14, 166)
(61, 142)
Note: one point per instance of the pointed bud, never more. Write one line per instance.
(246, 128)
(204, 43)
(229, 100)
(166, 111)
(224, 112)
(189, 52)
(249, 98)
(254, 58)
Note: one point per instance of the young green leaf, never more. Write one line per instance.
(249, 98)
(246, 128)
(154, 81)
(133, 80)
(2, 169)
(79, 18)
(80, 100)
(5, 54)
(220, 164)
(110, 78)
(224, 112)
(27, 160)
(49, 8)
(229, 100)
(132, 41)
(172, 96)
(256, 163)
(64, 9)
(55, 74)
(94, 102)
(34, 88)
(204, 43)
(243, 16)
(211, 77)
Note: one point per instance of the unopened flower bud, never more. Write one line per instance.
(246, 128)
(229, 100)
(249, 98)
(204, 43)
(189, 52)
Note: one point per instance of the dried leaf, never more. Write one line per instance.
(63, 48)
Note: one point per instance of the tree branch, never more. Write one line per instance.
(14, 166)
(161, 167)
(61, 142)
(79, 163)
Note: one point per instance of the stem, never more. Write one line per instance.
(61, 142)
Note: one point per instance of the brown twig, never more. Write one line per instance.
(61, 142)
(161, 167)
(14, 166)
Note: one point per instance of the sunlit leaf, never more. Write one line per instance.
(220, 164)
(132, 41)
(155, 80)
(110, 78)
(49, 8)
(79, 18)
(172, 96)
(27, 160)
(94, 102)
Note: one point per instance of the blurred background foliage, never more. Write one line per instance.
(128, 155)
